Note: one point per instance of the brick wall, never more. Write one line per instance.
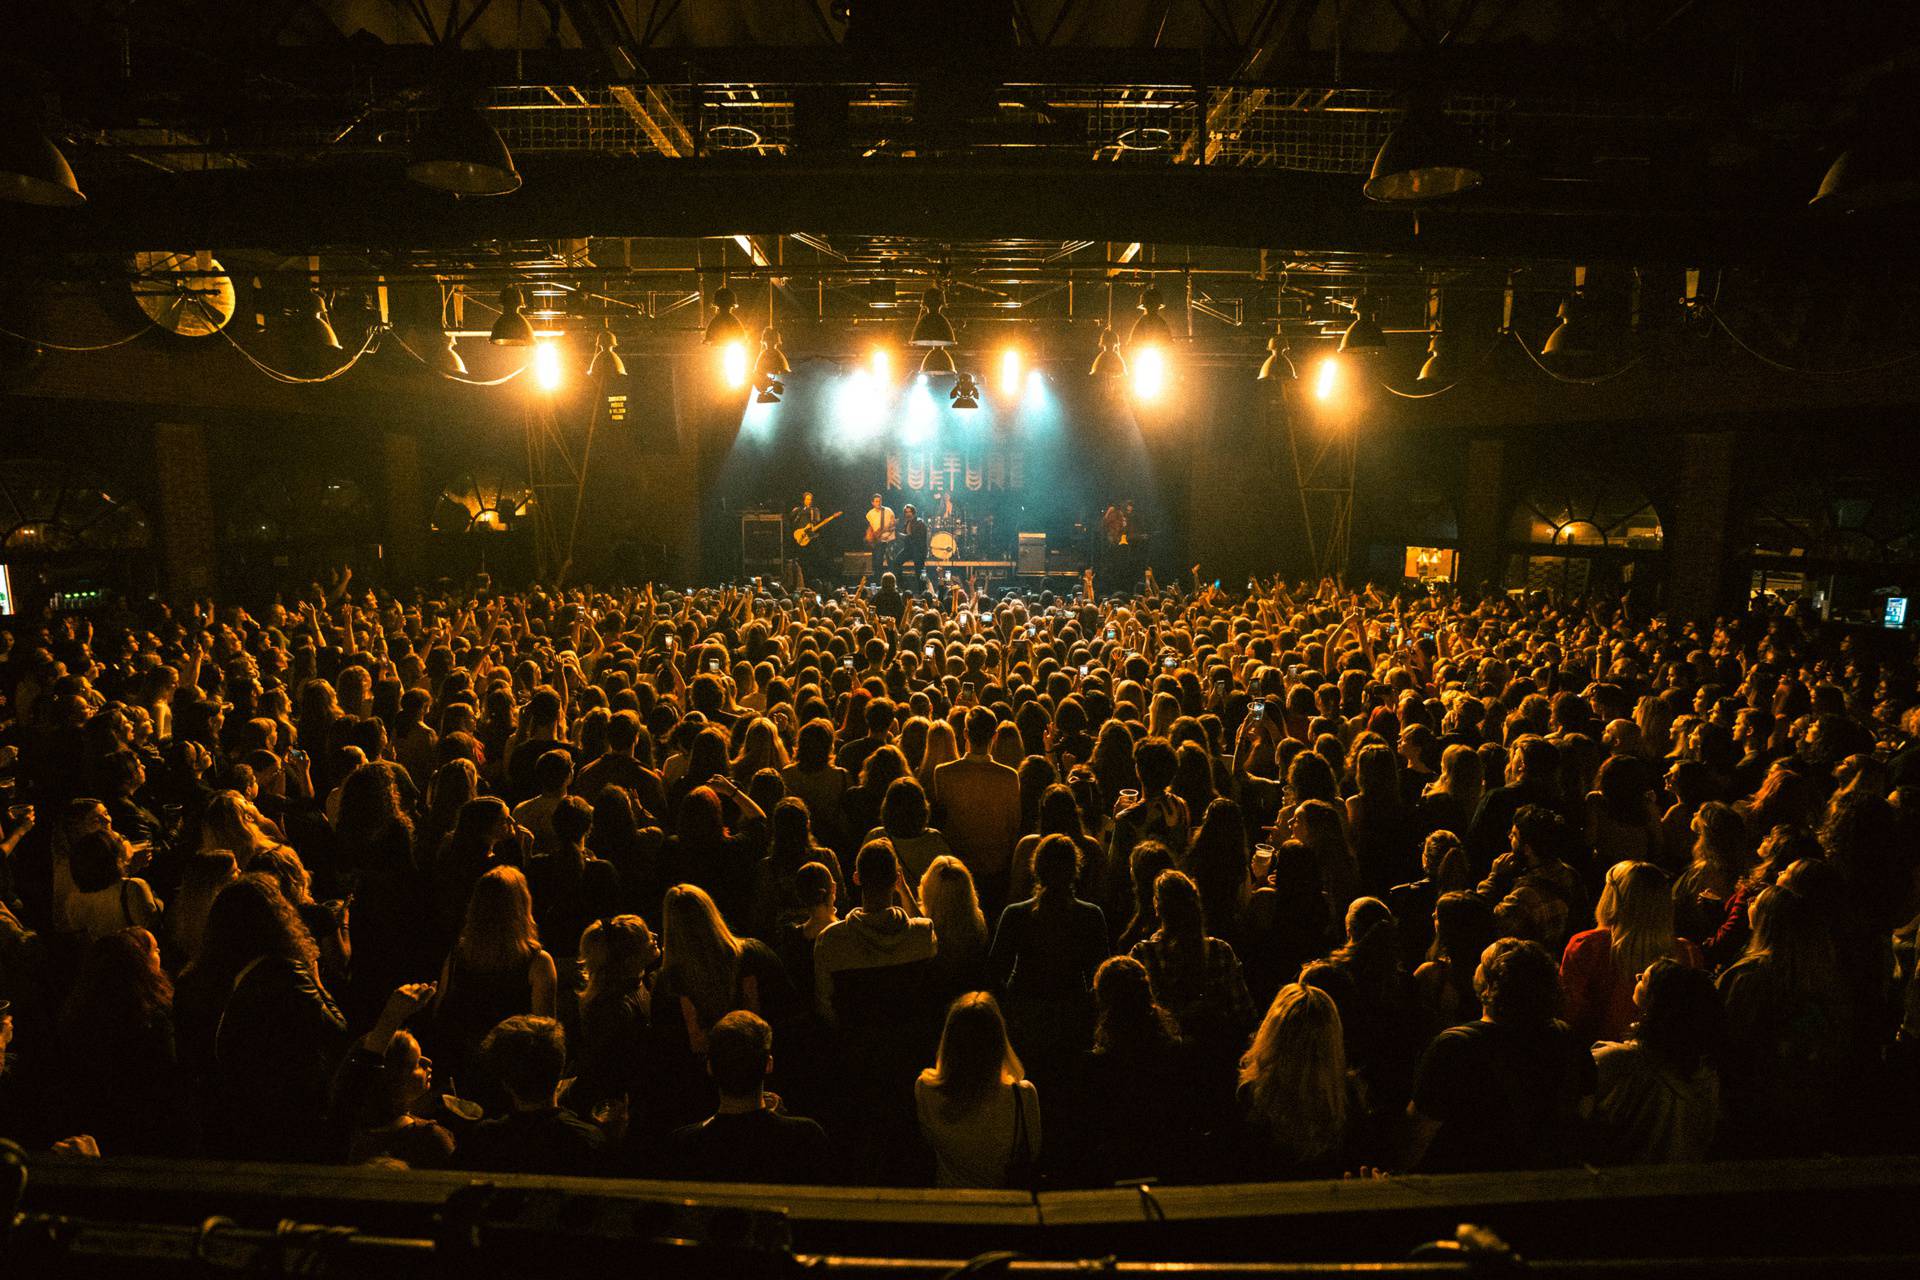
(186, 506)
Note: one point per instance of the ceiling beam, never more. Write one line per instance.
(369, 205)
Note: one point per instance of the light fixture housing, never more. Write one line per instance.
(773, 357)
(460, 153)
(1278, 366)
(606, 361)
(1109, 363)
(965, 393)
(1151, 327)
(1873, 173)
(938, 360)
(448, 363)
(932, 328)
(1437, 367)
(312, 328)
(725, 326)
(512, 329)
(1364, 335)
(33, 170)
(1574, 337)
(1425, 158)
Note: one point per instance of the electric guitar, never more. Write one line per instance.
(806, 532)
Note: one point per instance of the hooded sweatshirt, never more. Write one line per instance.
(867, 940)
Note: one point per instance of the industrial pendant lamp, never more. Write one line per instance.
(771, 369)
(938, 360)
(1109, 363)
(460, 153)
(1876, 172)
(1364, 335)
(32, 170)
(933, 329)
(606, 361)
(512, 329)
(312, 328)
(448, 363)
(725, 326)
(1424, 158)
(1150, 328)
(965, 393)
(1278, 366)
(1574, 337)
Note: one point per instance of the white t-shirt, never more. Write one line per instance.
(974, 1150)
(880, 520)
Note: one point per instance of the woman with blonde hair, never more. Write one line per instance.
(976, 1108)
(706, 972)
(1601, 966)
(496, 970)
(760, 748)
(948, 898)
(1293, 1088)
(943, 747)
(1722, 858)
(232, 823)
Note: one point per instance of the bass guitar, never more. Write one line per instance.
(807, 532)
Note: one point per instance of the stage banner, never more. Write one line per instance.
(988, 469)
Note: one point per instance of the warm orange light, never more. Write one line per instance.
(733, 363)
(548, 370)
(1010, 371)
(1326, 378)
(1148, 365)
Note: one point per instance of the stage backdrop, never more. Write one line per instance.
(1044, 457)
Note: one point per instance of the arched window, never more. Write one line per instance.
(482, 502)
(1580, 532)
(303, 508)
(51, 508)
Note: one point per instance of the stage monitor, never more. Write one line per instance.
(1896, 614)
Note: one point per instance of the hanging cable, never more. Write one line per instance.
(1428, 395)
(1766, 359)
(373, 336)
(502, 380)
(1563, 377)
(57, 346)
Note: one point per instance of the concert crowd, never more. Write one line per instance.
(968, 889)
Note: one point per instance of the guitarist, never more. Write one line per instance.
(880, 534)
(805, 516)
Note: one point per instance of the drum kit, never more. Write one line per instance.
(955, 538)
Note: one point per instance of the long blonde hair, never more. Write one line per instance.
(948, 898)
(1295, 1072)
(701, 957)
(943, 746)
(499, 931)
(975, 1056)
(1636, 909)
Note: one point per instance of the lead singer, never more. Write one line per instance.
(913, 543)
(880, 534)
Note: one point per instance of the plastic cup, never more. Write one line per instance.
(1262, 862)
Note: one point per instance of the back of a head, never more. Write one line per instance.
(94, 861)
(903, 811)
(1518, 982)
(572, 819)
(1156, 763)
(1682, 1019)
(1176, 901)
(876, 868)
(1056, 865)
(739, 1047)
(981, 723)
(1539, 759)
(974, 1054)
(527, 1055)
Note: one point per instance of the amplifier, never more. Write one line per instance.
(1033, 553)
(763, 543)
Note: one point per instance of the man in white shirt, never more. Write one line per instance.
(880, 528)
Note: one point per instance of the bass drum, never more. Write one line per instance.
(943, 546)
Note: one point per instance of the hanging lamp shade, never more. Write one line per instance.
(1278, 366)
(1109, 363)
(1363, 335)
(1438, 366)
(933, 329)
(512, 329)
(1151, 327)
(457, 151)
(1425, 158)
(33, 171)
(1574, 337)
(448, 363)
(938, 360)
(725, 326)
(606, 362)
(1876, 172)
(312, 329)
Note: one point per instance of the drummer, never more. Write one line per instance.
(911, 538)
